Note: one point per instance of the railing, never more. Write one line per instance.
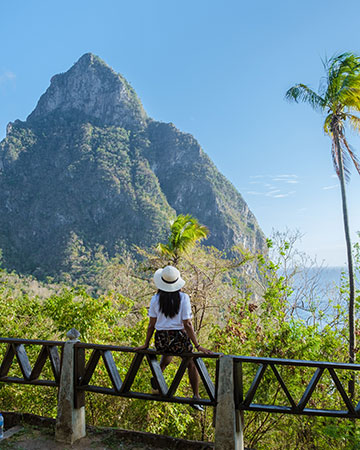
(122, 388)
(237, 384)
(31, 375)
(244, 401)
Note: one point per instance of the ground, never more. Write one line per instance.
(37, 433)
(35, 438)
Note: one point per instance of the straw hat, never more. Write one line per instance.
(168, 279)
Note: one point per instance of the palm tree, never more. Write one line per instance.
(185, 231)
(339, 99)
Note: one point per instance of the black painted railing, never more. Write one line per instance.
(122, 385)
(328, 377)
(258, 382)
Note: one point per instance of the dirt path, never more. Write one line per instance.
(33, 437)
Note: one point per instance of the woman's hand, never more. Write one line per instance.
(203, 350)
(142, 347)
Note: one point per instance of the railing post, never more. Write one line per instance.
(70, 421)
(229, 421)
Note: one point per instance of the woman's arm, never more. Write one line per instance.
(191, 333)
(149, 333)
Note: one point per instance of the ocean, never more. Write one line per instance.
(317, 294)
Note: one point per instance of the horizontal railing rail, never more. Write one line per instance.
(252, 398)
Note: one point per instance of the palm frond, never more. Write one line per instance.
(345, 156)
(343, 81)
(354, 121)
(327, 124)
(335, 158)
(185, 231)
(164, 249)
(302, 93)
(351, 153)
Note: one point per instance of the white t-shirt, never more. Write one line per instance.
(173, 323)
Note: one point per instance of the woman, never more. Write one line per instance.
(170, 315)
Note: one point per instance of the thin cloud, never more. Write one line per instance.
(7, 76)
(272, 193)
(286, 176)
(288, 194)
(326, 188)
(273, 186)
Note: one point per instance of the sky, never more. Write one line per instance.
(218, 70)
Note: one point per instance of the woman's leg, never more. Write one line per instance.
(165, 361)
(193, 377)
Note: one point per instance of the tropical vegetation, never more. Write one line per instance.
(243, 305)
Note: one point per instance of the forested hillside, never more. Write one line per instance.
(90, 173)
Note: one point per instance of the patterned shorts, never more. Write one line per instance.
(172, 341)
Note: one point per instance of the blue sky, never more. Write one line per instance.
(218, 70)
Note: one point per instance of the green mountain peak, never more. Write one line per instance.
(88, 170)
(92, 91)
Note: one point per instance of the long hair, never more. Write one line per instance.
(169, 303)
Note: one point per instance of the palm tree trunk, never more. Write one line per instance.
(352, 342)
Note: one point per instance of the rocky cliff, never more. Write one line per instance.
(88, 169)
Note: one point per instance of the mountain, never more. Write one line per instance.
(89, 170)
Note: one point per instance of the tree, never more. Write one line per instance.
(185, 231)
(339, 99)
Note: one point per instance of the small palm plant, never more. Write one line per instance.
(185, 231)
(339, 99)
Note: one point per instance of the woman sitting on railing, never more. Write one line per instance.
(170, 315)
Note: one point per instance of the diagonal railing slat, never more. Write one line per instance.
(157, 374)
(39, 364)
(112, 369)
(90, 367)
(7, 361)
(310, 389)
(178, 376)
(204, 375)
(283, 386)
(255, 384)
(23, 361)
(341, 390)
(131, 373)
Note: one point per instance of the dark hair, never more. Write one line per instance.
(169, 303)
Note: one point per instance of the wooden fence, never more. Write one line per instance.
(231, 389)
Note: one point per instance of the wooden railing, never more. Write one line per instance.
(246, 400)
(232, 387)
(123, 388)
(48, 350)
